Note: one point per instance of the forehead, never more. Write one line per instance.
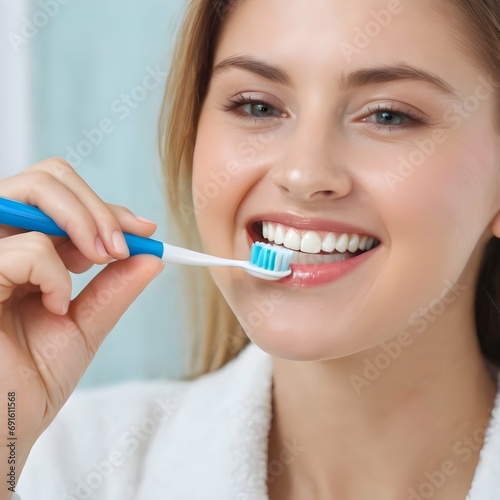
(322, 38)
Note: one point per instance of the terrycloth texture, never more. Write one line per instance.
(486, 482)
(202, 440)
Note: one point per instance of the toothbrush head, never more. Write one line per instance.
(269, 262)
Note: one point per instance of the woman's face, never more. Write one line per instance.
(330, 118)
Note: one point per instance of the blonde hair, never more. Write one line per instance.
(217, 336)
(220, 337)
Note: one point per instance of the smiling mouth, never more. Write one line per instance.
(313, 247)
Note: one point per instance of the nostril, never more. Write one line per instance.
(327, 193)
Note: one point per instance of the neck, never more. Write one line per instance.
(395, 413)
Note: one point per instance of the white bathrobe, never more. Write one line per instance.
(201, 440)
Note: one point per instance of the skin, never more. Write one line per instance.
(321, 152)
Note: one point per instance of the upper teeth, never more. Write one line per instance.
(313, 242)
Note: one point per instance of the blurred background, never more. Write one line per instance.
(84, 80)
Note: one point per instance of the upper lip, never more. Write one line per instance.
(311, 224)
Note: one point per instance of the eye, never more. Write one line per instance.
(260, 110)
(254, 107)
(391, 116)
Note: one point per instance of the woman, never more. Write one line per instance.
(364, 136)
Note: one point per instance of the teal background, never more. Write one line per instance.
(89, 56)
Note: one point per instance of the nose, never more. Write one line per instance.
(313, 168)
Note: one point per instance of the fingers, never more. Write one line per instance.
(105, 299)
(131, 223)
(32, 258)
(93, 226)
(73, 259)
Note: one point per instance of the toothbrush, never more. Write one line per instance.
(268, 262)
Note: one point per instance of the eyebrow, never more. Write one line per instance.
(397, 72)
(257, 66)
(350, 81)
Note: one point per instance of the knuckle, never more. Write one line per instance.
(38, 176)
(38, 180)
(106, 218)
(119, 209)
(40, 243)
(59, 167)
(55, 167)
(105, 215)
(92, 344)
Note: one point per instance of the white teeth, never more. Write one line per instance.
(362, 243)
(329, 243)
(279, 235)
(353, 243)
(292, 240)
(311, 242)
(271, 232)
(342, 243)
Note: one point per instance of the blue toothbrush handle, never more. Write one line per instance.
(17, 214)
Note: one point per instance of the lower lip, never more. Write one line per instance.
(322, 274)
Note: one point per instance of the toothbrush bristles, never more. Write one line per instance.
(270, 257)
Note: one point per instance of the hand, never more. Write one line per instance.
(47, 341)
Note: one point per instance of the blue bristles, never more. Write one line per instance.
(270, 257)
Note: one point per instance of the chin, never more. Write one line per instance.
(298, 343)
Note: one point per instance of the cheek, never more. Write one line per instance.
(219, 180)
(468, 194)
(449, 195)
(214, 175)
(435, 215)
(227, 164)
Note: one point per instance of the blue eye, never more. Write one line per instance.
(260, 110)
(391, 118)
(253, 108)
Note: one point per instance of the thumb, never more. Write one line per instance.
(105, 299)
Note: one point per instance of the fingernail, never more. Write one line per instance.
(65, 307)
(99, 245)
(119, 243)
(143, 219)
